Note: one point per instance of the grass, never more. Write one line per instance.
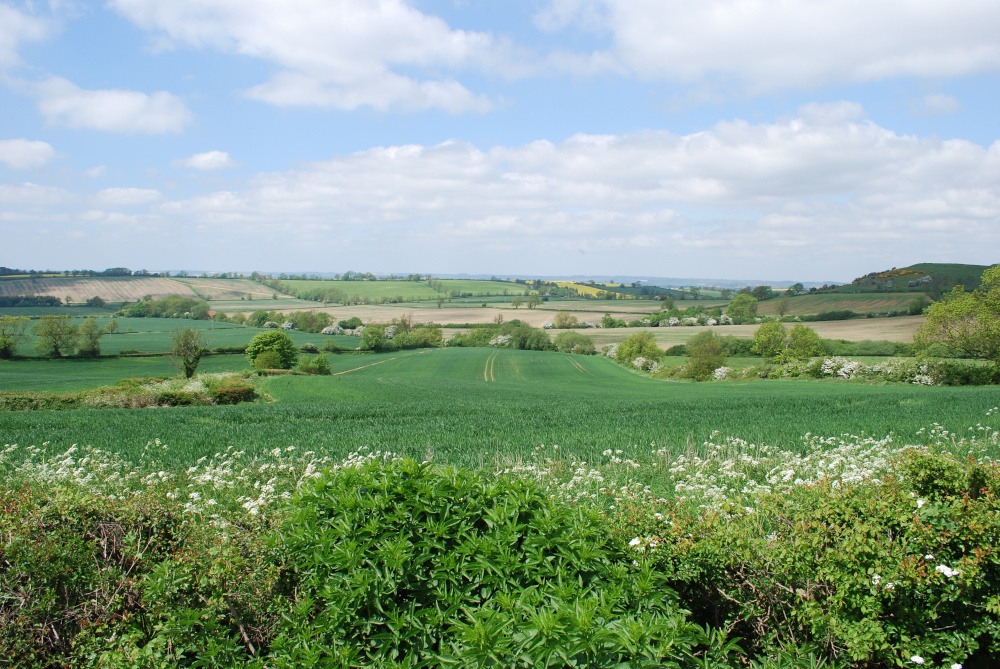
(477, 407)
(153, 335)
(404, 291)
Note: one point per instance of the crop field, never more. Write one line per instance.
(478, 407)
(862, 303)
(111, 289)
(226, 289)
(153, 335)
(406, 290)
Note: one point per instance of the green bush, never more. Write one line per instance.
(178, 398)
(267, 360)
(233, 393)
(274, 342)
(317, 365)
(409, 564)
(574, 342)
(873, 573)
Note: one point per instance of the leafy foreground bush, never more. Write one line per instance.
(849, 552)
(383, 564)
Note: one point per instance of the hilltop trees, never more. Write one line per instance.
(968, 322)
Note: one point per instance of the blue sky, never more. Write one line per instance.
(784, 140)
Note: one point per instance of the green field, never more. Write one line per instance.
(477, 407)
(404, 291)
(153, 335)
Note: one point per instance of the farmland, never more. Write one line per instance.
(674, 479)
(861, 303)
(478, 407)
(133, 288)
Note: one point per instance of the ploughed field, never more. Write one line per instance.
(476, 407)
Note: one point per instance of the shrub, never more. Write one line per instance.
(705, 355)
(178, 398)
(565, 320)
(317, 365)
(309, 347)
(574, 342)
(278, 343)
(874, 572)
(437, 566)
(267, 360)
(638, 345)
(233, 393)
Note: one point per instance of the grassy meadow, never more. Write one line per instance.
(475, 407)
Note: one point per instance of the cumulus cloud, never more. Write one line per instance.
(64, 103)
(210, 160)
(793, 43)
(341, 54)
(824, 194)
(16, 28)
(23, 154)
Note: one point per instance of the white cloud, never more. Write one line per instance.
(23, 154)
(939, 103)
(126, 197)
(96, 172)
(824, 194)
(210, 160)
(16, 28)
(341, 54)
(766, 45)
(131, 112)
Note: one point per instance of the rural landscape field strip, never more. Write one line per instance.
(436, 403)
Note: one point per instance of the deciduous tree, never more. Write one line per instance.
(742, 308)
(968, 322)
(88, 344)
(13, 331)
(55, 334)
(186, 349)
(279, 343)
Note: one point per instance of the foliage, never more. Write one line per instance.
(874, 572)
(574, 342)
(55, 334)
(186, 349)
(276, 342)
(317, 365)
(266, 360)
(88, 343)
(512, 334)
(968, 322)
(172, 306)
(565, 320)
(373, 338)
(804, 343)
(705, 355)
(742, 308)
(770, 340)
(13, 332)
(428, 566)
(233, 392)
(638, 345)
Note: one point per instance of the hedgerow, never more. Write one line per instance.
(845, 552)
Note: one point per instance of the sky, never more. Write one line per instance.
(798, 140)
